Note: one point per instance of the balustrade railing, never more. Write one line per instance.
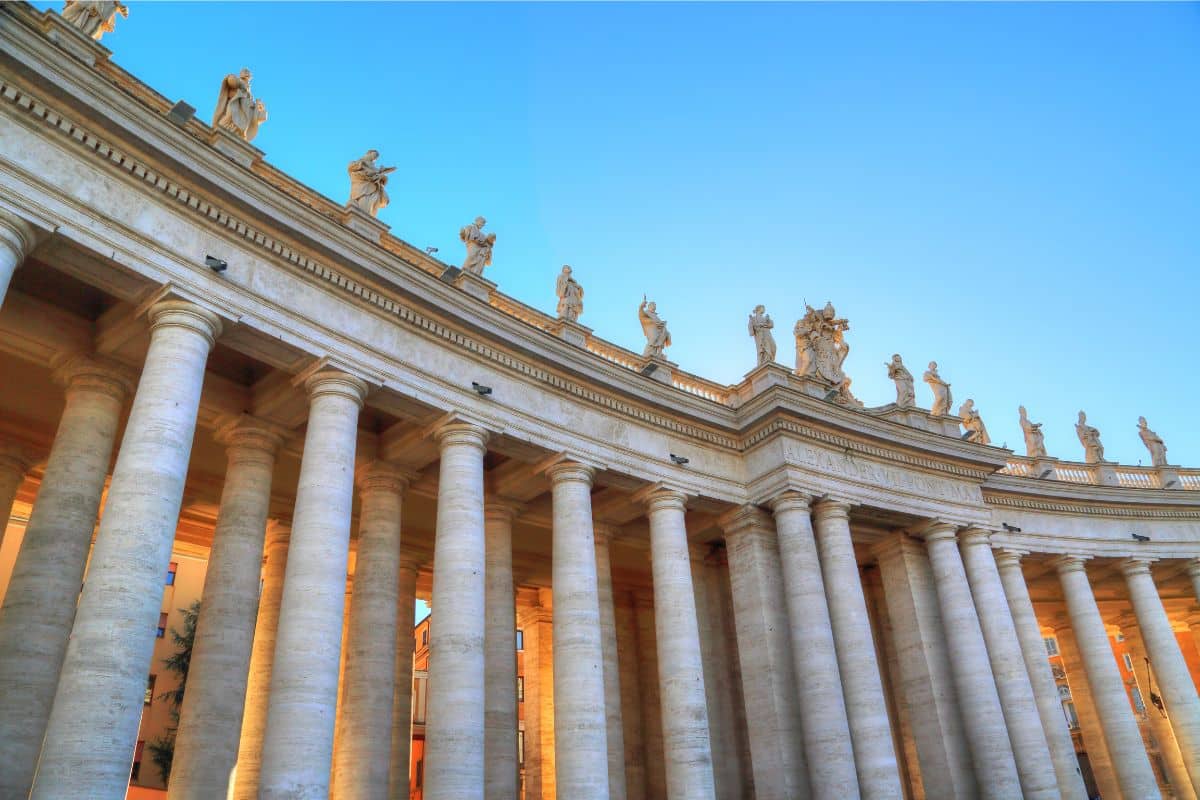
(1125, 476)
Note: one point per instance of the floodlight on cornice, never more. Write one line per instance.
(215, 264)
(181, 113)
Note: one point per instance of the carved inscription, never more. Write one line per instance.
(845, 465)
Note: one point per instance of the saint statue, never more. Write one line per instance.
(1035, 440)
(1089, 437)
(367, 182)
(479, 246)
(760, 326)
(1153, 442)
(570, 296)
(821, 347)
(654, 327)
(94, 17)
(237, 110)
(906, 396)
(976, 430)
(942, 398)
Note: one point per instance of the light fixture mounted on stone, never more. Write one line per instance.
(1140, 537)
(680, 460)
(482, 390)
(215, 264)
(181, 113)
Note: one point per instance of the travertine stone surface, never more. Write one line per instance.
(455, 717)
(612, 674)
(1037, 667)
(103, 678)
(17, 238)
(764, 641)
(367, 183)
(500, 655)
(580, 723)
(1121, 734)
(1030, 749)
(211, 717)
(825, 728)
(686, 748)
(1170, 669)
(537, 623)
(360, 767)
(652, 722)
(39, 606)
(398, 773)
(862, 688)
(1085, 709)
(297, 749)
(983, 717)
(14, 464)
(262, 658)
(628, 661)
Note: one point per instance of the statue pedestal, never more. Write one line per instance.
(478, 287)
(73, 40)
(363, 223)
(1168, 478)
(764, 376)
(235, 147)
(572, 332)
(1043, 468)
(814, 387)
(659, 369)
(1104, 474)
(920, 419)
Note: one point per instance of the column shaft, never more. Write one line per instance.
(297, 750)
(103, 679)
(39, 606)
(612, 676)
(1085, 708)
(455, 720)
(406, 601)
(628, 661)
(652, 723)
(537, 622)
(14, 464)
(500, 653)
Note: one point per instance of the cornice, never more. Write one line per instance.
(1065, 506)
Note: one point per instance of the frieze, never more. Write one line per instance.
(1087, 509)
(845, 465)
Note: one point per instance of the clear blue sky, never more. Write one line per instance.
(1012, 190)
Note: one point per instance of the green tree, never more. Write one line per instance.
(162, 749)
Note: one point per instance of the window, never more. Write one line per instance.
(1064, 692)
(1072, 717)
(149, 690)
(424, 636)
(520, 688)
(1138, 702)
(171, 570)
(137, 760)
(1128, 662)
(521, 747)
(1051, 646)
(419, 772)
(162, 625)
(520, 639)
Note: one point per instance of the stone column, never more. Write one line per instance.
(1028, 740)
(1129, 759)
(262, 657)
(406, 601)
(1037, 667)
(455, 720)
(862, 687)
(14, 465)
(1085, 709)
(211, 717)
(35, 623)
(1168, 746)
(765, 648)
(501, 769)
(1174, 678)
(537, 622)
(652, 727)
(686, 748)
(615, 735)
(826, 727)
(361, 764)
(628, 661)
(297, 751)
(580, 723)
(1193, 571)
(103, 679)
(17, 238)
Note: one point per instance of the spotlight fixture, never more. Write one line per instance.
(181, 113)
(431, 250)
(1139, 537)
(1010, 528)
(1169, 484)
(215, 264)
(680, 460)
(1046, 472)
(831, 394)
(483, 391)
(449, 274)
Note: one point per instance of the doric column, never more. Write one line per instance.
(17, 238)
(362, 762)
(686, 748)
(826, 727)
(536, 620)
(211, 717)
(455, 719)
(1037, 667)
(923, 658)
(1085, 709)
(612, 678)
(580, 725)
(39, 606)
(14, 465)
(1108, 691)
(262, 657)
(765, 649)
(297, 751)
(406, 600)
(103, 679)
(652, 727)
(631, 697)
(862, 687)
(500, 654)
(1030, 749)
(1193, 571)
(1174, 678)
(1168, 746)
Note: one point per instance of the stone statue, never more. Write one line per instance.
(479, 246)
(654, 327)
(906, 396)
(760, 326)
(1035, 440)
(942, 399)
(367, 182)
(1153, 442)
(94, 17)
(976, 430)
(821, 347)
(237, 110)
(570, 296)
(1089, 437)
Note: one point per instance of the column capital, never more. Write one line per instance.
(247, 434)
(1127, 622)
(972, 536)
(1009, 557)
(336, 382)
(745, 519)
(938, 530)
(1136, 566)
(791, 500)
(1193, 617)
(828, 508)
(1070, 563)
(659, 496)
(1061, 622)
(380, 476)
(562, 468)
(455, 429)
(895, 545)
(80, 372)
(15, 458)
(1193, 567)
(17, 236)
(501, 508)
(279, 532)
(605, 531)
(185, 314)
(411, 563)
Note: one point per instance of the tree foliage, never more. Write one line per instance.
(162, 749)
